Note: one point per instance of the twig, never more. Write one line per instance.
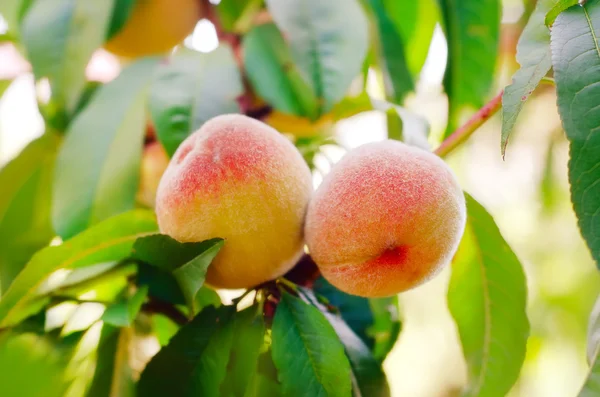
(465, 131)
(166, 309)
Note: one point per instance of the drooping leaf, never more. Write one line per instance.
(122, 313)
(264, 382)
(192, 88)
(199, 346)
(576, 61)
(397, 78)
(112, 375)
(188, 262)
(369, 377)
(120, 14)
(60, 37)
(487, 298)
(25, 224)
(472, 30)
(307, 353)
(328, 40)
(535, 59)
(101, 153)
(273, 74)
(386, 327)
(108, 241)
(557, 8)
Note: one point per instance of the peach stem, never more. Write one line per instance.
(466, 130)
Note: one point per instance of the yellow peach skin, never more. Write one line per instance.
(154, 163)
(238, 179)
(154, 27)
(387, 218)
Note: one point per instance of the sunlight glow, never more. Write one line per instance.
(204, 38)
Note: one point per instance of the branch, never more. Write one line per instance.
(463, 133)
(159, 307)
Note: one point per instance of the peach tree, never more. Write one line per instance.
(79, 235)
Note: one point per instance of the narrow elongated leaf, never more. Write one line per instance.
(307, 353)
(13, 11)
(591, 386)
(369, 377)
(60, 37)
(328, 40)
(192, 88)
(472, 30)
(112, 376)
(25, 224)
(535, 58)
(398, 78)
(576, 61)
(487, 298)
(120, 14)
(559, 7)
(108, 241)
(122, 313)
(268, 62)
(198, 347)
(101, 153)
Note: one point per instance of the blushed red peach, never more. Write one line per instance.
(238, 179)
(387, 218)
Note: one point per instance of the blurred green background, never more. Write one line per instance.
(527, 193)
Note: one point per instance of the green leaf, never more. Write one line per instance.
(249, 334)
(13, 11)
(101, 153)
(410, 129)
(307, 352)
(591, 386)
(415, 21)
(121, 12)
(60, 37)
(122, 313)
(386, 327)
(487, 297)
(188, 262)
(112, 375)
(328, 40)
(398, 79)
(238, 15)
(576, 61)
(273, 74)
(535, 59)
(108, 241)
(190, 89)
(368, 374)
(25, 224)
(195, 360)
(559, 7)
(472, 30)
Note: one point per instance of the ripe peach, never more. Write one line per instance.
(238, 179)
(154, 163)
(386, 218)
(154, 27)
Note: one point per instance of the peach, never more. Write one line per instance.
(154, 163)
(387, 218)
(238, 179)
(154, 27)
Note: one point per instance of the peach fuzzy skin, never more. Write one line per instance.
(154, 27)
(238, 179)
(154, 163)
(387, 218)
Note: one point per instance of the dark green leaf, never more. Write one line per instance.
(386, 327)
(535, 58)
(268, 62)
(487, 297)
(200, 346)
(188, 262)
(576, 61)
(308, 355)
(247, 343)
(60, 37)
(559, 7)
(108, 241)
(25, 224)
(101, 153)
(368, 374)
(120, 14)
(191, 89)
(328, 41)
(122, 313)
(472, 30)
(398, 79)
(415, 21)
(112, 376)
